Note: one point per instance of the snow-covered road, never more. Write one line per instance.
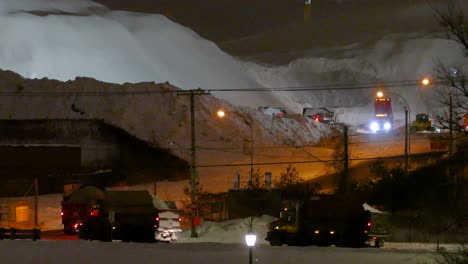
(71, 252)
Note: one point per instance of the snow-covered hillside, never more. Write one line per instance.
(156, 114)
(65, 39)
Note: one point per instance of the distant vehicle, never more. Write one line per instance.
(322, 115)
(422, 123)
(326, 220)
(272, 111)
(383, 115)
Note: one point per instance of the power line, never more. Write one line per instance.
(310, 87)
(316, 161)
(291, 147)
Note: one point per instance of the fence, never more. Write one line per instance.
(13, 233)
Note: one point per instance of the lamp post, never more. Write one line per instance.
(250, 239)
(249, 123)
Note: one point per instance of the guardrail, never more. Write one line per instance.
(14, 233)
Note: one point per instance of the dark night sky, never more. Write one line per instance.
(278, 25)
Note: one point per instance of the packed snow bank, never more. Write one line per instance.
(231, 231)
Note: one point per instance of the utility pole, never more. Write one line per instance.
(450, 147)
(307, 12)
(250, 124)
(36, 204)
(193, 159)
(450, 125)
(344, 180)
(406, 140)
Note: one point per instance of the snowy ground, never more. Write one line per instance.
(70, 252)
(217, 243)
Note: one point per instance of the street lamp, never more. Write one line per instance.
(221, 113)
(425, 81)
(250, 239)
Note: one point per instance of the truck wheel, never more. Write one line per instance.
(379, 243)
(67, 230)
(275, 241)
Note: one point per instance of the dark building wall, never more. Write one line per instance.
(101, 147)
(245, 202)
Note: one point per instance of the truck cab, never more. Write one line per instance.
(325, 220)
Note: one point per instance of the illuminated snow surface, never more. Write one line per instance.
(119, 47)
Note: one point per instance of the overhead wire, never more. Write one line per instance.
(316, 161)
(308, 87)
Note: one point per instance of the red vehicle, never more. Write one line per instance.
(383, 115)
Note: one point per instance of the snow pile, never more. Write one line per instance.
(231, 231)
(119, 47)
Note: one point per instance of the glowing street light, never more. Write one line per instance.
(250, 239)
(221, 113)
(425, 81)
(379, 94)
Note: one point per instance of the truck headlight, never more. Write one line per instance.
(374, 126)
(387, 126)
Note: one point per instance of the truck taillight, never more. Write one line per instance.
(180, 219)
(157, 218)
(369, 224)
(94, 212)
(61, 213)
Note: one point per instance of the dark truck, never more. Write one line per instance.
(96, 214)
(77, 205)
(326, 220)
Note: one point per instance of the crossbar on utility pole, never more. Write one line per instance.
(193, 158)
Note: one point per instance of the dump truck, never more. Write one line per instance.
(97, 214)
(382, 120)
(326, 220)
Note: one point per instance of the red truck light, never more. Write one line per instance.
(157, 218)
(94, 212)
(369, 224)
(180, 219)
(61, 213)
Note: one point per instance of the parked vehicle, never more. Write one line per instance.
(322, 115)
(168, 225)
(96, 214)
(77, 206)
(326, 220)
